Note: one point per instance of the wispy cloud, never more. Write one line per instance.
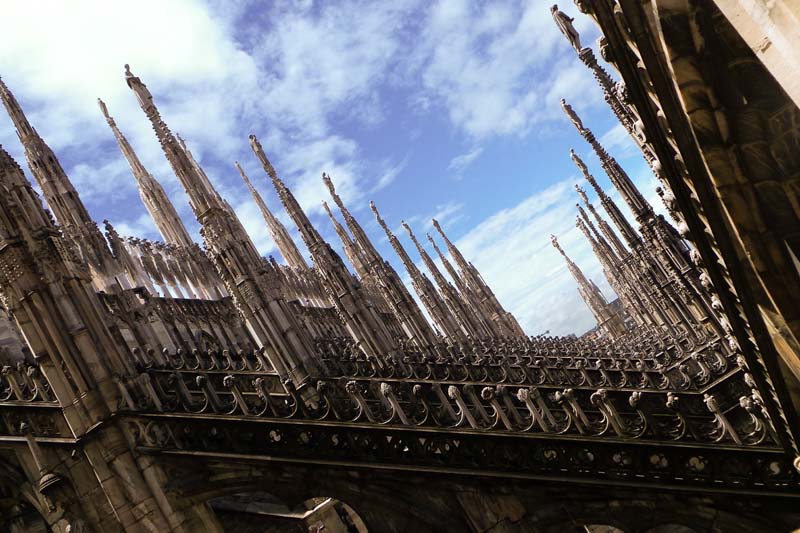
(390, 174)
(447, 214)
(478, 75)
(460, 163)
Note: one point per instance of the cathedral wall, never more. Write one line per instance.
(772, 31)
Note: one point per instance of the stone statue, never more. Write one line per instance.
(140, 89)
(564, 23)
(572, 115)
(579, 163)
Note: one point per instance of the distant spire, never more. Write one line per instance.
(368, 250)
(504, 324)
(608, 232)
(592, 296)
(398, 247)
(307, 230)
(431, 299)
(350, 249)
(392, 288)
(640, 207)
(463, 313)
(628, 233)
(280, 235)
(614, 270)
(155, 199)
(434, 270)
(448, 266)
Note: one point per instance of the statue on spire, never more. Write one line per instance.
(564, 23)
(572, 115)
(554, 240)
(103, 108)
(582, 193)
(140, 89)
(578, 161)
(378, 215)
(259, 151)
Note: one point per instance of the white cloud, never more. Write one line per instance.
(460, 163)
(447, 213)
(490, 66)
(390, 174)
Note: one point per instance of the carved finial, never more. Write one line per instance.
(241, 173)
(578, 162)
(585, 171)
(139, 88)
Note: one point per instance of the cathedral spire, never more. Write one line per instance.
(346, 292)
(392, 288)
(431, 299)
(194, 182)
(614, 269)
(307, 230)
(449, 267)
(280, 235)
(610, 235)
(628, 233)
(24, 129)
(350, 249)
(434, 270)
(360, 237)
(585, 222)
(253, 284)
(463, 313)
(591, 294)
(583, 282)
(504, 323)
(155, 199)
(615, 95)
(640, 207)
(62, 198)
(204, 181)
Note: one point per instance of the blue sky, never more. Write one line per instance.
(444, 109)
